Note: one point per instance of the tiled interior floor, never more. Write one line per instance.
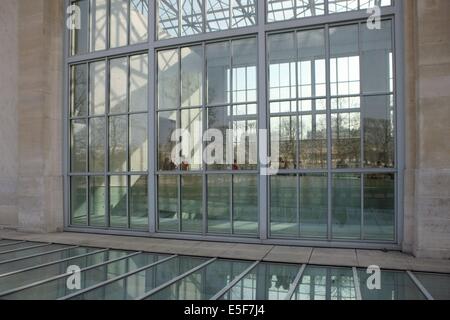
(34, 269)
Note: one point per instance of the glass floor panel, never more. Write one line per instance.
(204, 283)
(267, 281)
(325, 283)
(394, 285)
(57, 288)
(25, 278)
(8, 242)
(19, 246)
(45, 258)
(40, 271)
(29, 252)
(438, 285)
(139, 284)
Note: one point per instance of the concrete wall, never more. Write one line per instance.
(31, 195)
(8, 113)
(432, 125)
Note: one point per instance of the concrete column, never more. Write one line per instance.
(428, 130)
(8, 113)
(39, 109)
(433, 90)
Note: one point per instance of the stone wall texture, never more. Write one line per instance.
(432, 125)
(31, 196)
(8, 117)
(31, 139)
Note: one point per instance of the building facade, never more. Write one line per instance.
(354, 99)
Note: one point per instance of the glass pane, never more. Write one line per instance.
(379, 132)
(138, 143)
(346, 206)
(38, 274)
(313, 141)
(364, 4)
(282, 70)
(97, 88)
(118, 85)
(118, 23)
(336, 6)
(118, 129)
(79, 146)
(168, 79)
(191, 204)
(79, 36)
(32, 262)
(191, 122)
(168, 19)
(267, 281)
(58, 288)
(218, 72)
(79, 90)
(244, 13)
(138, 284)
(78, 201)
(376, 58)
(203, 284)
(283, 206)
(322, 283)
(118, 202)
(244, 139)
(29, 252)
(98, 25)
(192, 17)
(219, 204)
(139, 83)
(167, 125)
(245, 204)
(219, 152)
(281, 10)
(97, 141)
(394, 286)
(344, 63)
(438, 285)
(192, 76)
(313, 205)
(168, 203)
(283, 132)
(346, 134)
(97, 194)
(308, 8)
(311, 65)
(139, 202)
(342, 5)
(379, 207)
(217, 15)
(244, 70)
(138, 21)
(19, 246)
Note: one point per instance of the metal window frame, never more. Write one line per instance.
(260, 30)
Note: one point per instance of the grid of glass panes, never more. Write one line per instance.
(282, 10)
(331, 112)
(109, 143)
(105, 24)
(329, 132)
(180, 18)
(203, 87)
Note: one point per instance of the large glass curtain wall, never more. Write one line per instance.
(140, 72)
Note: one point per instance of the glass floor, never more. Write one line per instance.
(42, 271)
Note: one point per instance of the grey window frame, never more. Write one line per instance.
(261, 30)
